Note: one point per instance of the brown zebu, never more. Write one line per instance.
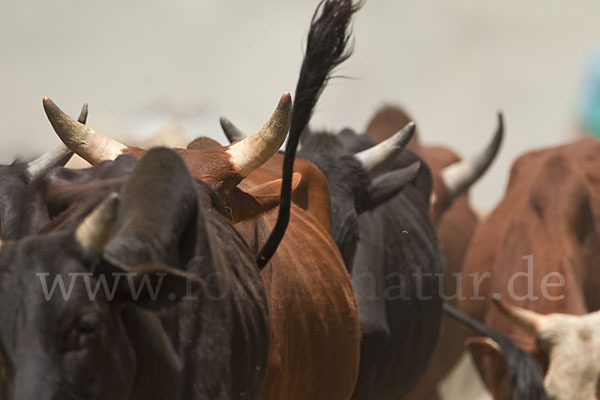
(324, 345)
(316, 337)
(325, 49)
(314, 352)
(538, 249)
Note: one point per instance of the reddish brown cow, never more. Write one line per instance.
(455, 225)
(539, 249)
(314, 317)
(313, 312)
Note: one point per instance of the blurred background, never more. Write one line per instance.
(144, 64)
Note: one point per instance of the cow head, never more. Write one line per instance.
(357, 182)
(571, 343)
(73, 308)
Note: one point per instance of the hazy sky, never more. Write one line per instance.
(453, 64)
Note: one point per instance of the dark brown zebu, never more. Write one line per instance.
(165, 298)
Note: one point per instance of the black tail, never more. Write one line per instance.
(326, 48)
(524, 380)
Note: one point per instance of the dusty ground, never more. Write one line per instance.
(142, 64)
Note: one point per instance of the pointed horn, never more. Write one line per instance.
(252, 152)
(87, 143)
(377, 158)
(528, 320)
(233, 133)
(459, 177)
(97, 228)
(57, 157)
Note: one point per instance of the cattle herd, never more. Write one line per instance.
(349, 267)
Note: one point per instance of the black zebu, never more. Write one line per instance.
(398, 266)
(163, 226)
(396, 263)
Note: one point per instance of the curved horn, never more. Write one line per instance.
(252, 152)
(528, 320)
(377, 158)
(92, 146)
(96, 229)
(56, 157)
(233, 133)
(459, 176)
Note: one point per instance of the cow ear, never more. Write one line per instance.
(149, 286)
(268, 193)
(249, 202)
(490, 362)
(388, 185)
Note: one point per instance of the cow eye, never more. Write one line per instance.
(82, 332)
(88, 323)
